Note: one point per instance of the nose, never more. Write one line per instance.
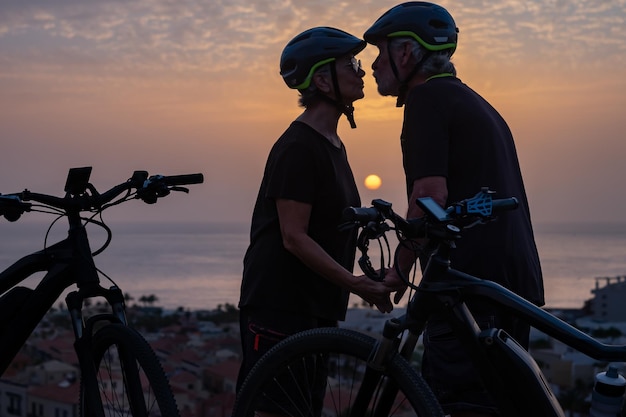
(375, 63)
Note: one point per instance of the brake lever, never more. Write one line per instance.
(152, 191)
(177, 188)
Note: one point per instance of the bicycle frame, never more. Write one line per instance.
(444, 295)
(506, 368)
(66, 263)
(71, 262)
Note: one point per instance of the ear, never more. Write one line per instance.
(407, 57)
(322, 82)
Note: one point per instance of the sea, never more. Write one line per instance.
(197, 266)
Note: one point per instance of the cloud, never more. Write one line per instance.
(225, 35)
(133, 74)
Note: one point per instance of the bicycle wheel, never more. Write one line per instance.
(130, 378)
(323, 372)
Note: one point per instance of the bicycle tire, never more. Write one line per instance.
(345, 354)
(121, 353)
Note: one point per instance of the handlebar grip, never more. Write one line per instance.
(504, 204)
(184, 179)
(360, 214)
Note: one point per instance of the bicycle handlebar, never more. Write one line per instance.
(463, 214)
(442, 225)
(84, 197)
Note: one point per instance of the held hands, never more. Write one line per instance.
(395, 283)
(379, 293)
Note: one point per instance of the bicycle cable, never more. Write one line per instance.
(38, 208)
(107, 229)
(417, 250)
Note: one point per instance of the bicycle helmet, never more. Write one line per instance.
(313, 48)
(310, 50)
(429, 24)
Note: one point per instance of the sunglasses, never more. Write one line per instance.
(355, 64)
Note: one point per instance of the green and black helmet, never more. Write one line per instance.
(313, 48)
(429, 24)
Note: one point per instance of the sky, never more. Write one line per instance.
(182, 86)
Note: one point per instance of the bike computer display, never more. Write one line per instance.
(432, 209)
(77, 180)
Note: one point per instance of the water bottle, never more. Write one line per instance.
(608, 394)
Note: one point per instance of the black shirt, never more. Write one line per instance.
(451, 131)
(302, 166)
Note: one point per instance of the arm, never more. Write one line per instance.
(294, 219)
(435, 187)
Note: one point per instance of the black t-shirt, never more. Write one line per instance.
(302, 166)
(451, 131)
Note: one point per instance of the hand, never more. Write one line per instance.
(379, 293)
(395, 284)
(374, 292)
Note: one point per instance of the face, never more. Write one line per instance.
(350, 78)
(383, 74)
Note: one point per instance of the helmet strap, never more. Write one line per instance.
(404, 84)
(348, 110)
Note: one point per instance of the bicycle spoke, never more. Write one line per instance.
(130, 378)
(324, 372)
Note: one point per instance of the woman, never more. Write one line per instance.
(298, 268)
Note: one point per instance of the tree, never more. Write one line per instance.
(143, 300)
(148, 299)
(152, 299)
(127, 298)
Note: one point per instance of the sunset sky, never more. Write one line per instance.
(177, 86)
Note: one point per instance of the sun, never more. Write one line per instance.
(373, 182)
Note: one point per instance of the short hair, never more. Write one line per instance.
(437, 62)
(311, 93)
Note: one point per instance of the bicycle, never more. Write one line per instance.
(105, 344)
(368, 376)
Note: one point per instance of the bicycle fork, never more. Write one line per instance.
(83, 332)
(374, 384)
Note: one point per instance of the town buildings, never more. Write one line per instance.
(608, 302)
(200, 353)
(200, 358)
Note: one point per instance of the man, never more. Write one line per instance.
(453, 143)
